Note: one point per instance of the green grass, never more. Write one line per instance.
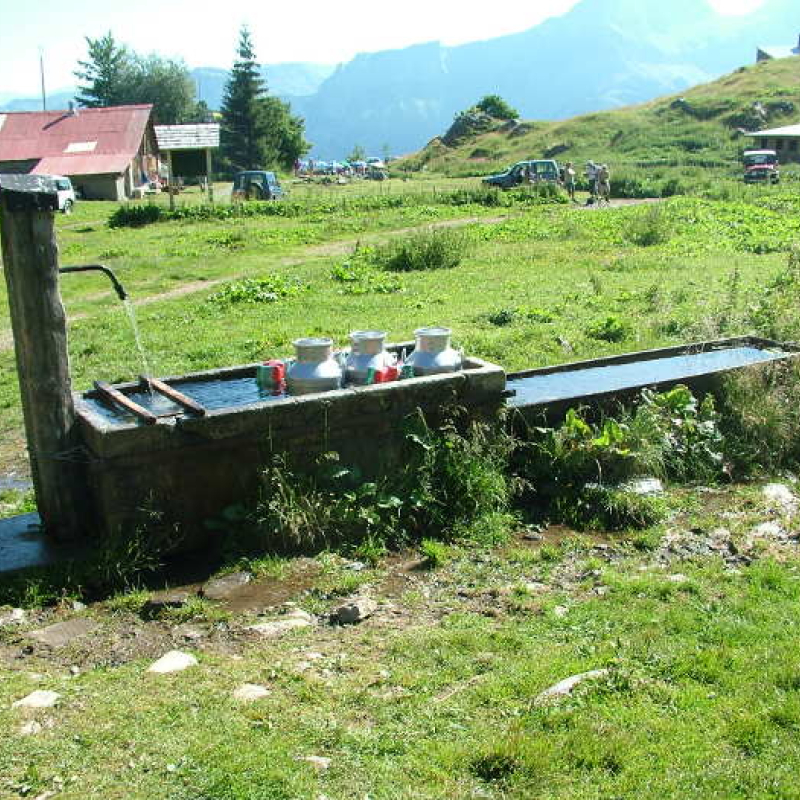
(536, 285)
(702, 698)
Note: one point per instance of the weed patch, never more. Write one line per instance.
(267, 289)
(428, 250)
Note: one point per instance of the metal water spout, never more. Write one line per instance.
(118, 287)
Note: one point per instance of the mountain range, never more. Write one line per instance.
(601, 54)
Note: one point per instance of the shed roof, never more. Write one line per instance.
(787, 131)
(187, 137)
(91, 141)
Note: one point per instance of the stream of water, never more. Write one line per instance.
(131, 312)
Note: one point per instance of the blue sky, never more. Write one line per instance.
(322, 31)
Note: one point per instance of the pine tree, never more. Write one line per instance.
(107, 73)
(258, 131)
(244, 123)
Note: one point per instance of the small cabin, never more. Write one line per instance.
(784, 141)
(106, 152)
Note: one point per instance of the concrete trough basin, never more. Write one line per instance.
(550, 391)
(190, 468)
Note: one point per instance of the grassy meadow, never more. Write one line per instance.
(692, 611)
(538, 283)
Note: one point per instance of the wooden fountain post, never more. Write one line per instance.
(30, 263)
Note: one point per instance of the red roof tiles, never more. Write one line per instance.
(92, 141)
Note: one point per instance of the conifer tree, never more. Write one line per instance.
(244, 124)
(107, 73)
(258, 131)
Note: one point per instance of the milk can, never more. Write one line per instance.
(366, 352)
(314, 369)
(432, 352)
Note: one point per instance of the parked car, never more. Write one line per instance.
(374, 161)
(761, 166)
(256, 185)
(542, 170)
(66, 193)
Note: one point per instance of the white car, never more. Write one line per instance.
(66, 193)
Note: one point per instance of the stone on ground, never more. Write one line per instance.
(168, 598)
(63, 633)
(356, 610)
(41, 698)
(565, 688)
(646, 487)
(12, 616)
(296, 618)
(781, 495)
(30, 728)
(222, 588)
(318, 762)
(250, 692)
(173, 661)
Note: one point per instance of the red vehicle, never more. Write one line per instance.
(761, 166)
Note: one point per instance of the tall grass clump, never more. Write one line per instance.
(426, 250)
(759, 411)
(649, 227)
(453, 480)
(773, 313)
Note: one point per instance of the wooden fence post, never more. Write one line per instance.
(38, 321)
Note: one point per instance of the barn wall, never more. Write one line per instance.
(100, 187)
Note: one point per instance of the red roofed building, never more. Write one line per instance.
(107, 152)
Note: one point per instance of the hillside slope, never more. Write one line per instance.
(601, 54)
(699, 127)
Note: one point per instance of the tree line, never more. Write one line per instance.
(258, 130)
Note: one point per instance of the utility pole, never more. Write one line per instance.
(41, 73)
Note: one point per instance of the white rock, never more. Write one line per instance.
(250, 692)
(356, 610)
(173, 661)
(535, 587)
(564, 688)
(41, 698)
(14, 616)
(30, 728)
(677, 578)
(560, 611)
(647, 487)
(277, 627)
(768, 530)
(318, 762)
(782, 495)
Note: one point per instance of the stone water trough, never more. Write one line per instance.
(192, 467)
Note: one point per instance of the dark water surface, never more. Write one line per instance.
(212, 395)
(534, 390)
(579, 383)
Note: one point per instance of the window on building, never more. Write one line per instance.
(779, 144)
(765, 144)
(793, 145)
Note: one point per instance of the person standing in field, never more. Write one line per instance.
(569, 180)
(591, 177)
(604, 183)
